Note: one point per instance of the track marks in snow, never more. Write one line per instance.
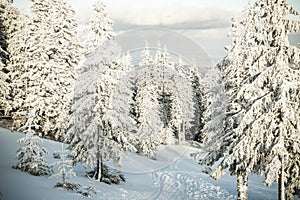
(173, 185)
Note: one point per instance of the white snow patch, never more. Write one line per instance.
(172, 176)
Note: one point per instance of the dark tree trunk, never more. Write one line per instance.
(281, 189)
(99, 169)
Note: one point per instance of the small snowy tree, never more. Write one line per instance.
(167, 136)
(65, 171)
(89, 189)
(30, 155)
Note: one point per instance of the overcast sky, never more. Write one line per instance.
(207, 22)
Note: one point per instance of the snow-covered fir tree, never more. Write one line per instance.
(180, 67)
(118, 113)
(65, 171)
(150, 124)
(161, 67)
(182, 107)
(100, 28)
(98, 126)
(8, 16)
(174, 94)
(30, 157)
(232, 70)
(52, 52)
(164, 102)
(215, 108)
(198, 88)
(115, 98)
(4, 6)
(265, 139)
(147, 107)
(18, 69)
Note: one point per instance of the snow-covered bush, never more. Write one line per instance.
(30, 155)
(109, 176)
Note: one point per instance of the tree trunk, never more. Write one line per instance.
(99, 165)
(99, 168)
(281, 195)
(242, 185)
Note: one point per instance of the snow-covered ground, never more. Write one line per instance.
(172, 176)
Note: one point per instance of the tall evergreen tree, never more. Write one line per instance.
(18, 69)
(215, 101)
(161, 67)
(263, 139)
(164, 102)
(118, 113)
(53, 51)
(8, 16)
(150, 124)
(198, 89)
(182, 107)
(97, 125)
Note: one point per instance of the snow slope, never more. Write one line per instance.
(172, 176)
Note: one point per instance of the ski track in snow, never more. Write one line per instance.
(173, 185)
(121, 194)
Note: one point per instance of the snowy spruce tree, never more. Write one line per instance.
(118, 111)
(160, 69)
(175, 95)
(20, 57)
(53, 51)
(264, 138)
(215, 108)
(8, 16)
(31, 156)
(98, 128)
(149, 121)
(164, 102)
(198, 90)
(182, 107)
(149, 124)
(65, 171)
(100, 28)
(232, 70)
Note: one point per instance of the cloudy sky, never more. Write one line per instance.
(206, 22)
